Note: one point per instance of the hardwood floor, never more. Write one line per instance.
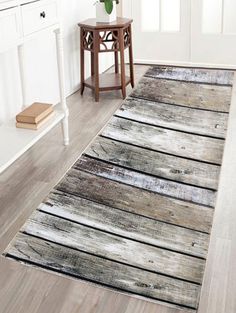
(28, 181)
(27, 290)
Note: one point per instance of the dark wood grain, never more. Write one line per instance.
(83, 265)
(99, 38)
(155, 163)
(96, 48)
(81, 63)
(107, 82)
(131, 58)
(137, 201)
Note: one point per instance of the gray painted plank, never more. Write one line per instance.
(190, 120)
(114, 248)
(198, 75)
(104, 271)
(155, 163)
(209, 97)
(165, 140)
(137, 201)
(126, 224)
(148, 182)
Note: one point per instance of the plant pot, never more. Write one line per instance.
(102, 16)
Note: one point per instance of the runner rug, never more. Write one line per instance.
(135, 211)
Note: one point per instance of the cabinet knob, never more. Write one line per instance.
(43, 14)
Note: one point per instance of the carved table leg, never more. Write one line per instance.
(131, 59)
(122, 61)
(96, 64)
(82, 60)
(92, 63)
(116, 62)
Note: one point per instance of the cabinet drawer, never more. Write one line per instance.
(9, 27)
(7, 4)
(39, 15)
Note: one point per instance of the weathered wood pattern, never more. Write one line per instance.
(197, 75)
(135, 211)
(155, 163)
(114, 248)
(208, 97)
(164, 235)
(207, 123)
(140, 180)
(165, 140)
(138, 201)
(93, 268)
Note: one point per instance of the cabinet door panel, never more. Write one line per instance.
(9, 27)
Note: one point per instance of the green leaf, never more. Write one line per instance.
(108, 6)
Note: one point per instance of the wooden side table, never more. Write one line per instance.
(101, 38)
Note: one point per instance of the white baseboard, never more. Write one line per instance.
(187, 64)
(73, 90)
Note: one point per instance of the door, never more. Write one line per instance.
(213, 38)
(161, 30)
(184, 32)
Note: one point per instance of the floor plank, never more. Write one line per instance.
(155, 163)
(97, 269)
(161, 234)
(202, 96)
(197, 75)
(112, 246)
(164, 140)
(137, 201)
(161, 186)
(186, 119)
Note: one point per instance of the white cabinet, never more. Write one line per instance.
(20, 21)
(39, 15)
(9, 27)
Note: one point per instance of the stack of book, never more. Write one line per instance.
(34, 116)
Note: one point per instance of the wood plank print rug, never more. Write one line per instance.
(135, 211)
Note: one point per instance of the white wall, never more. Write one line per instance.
(41, 66)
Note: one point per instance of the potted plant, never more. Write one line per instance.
(106, 11)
